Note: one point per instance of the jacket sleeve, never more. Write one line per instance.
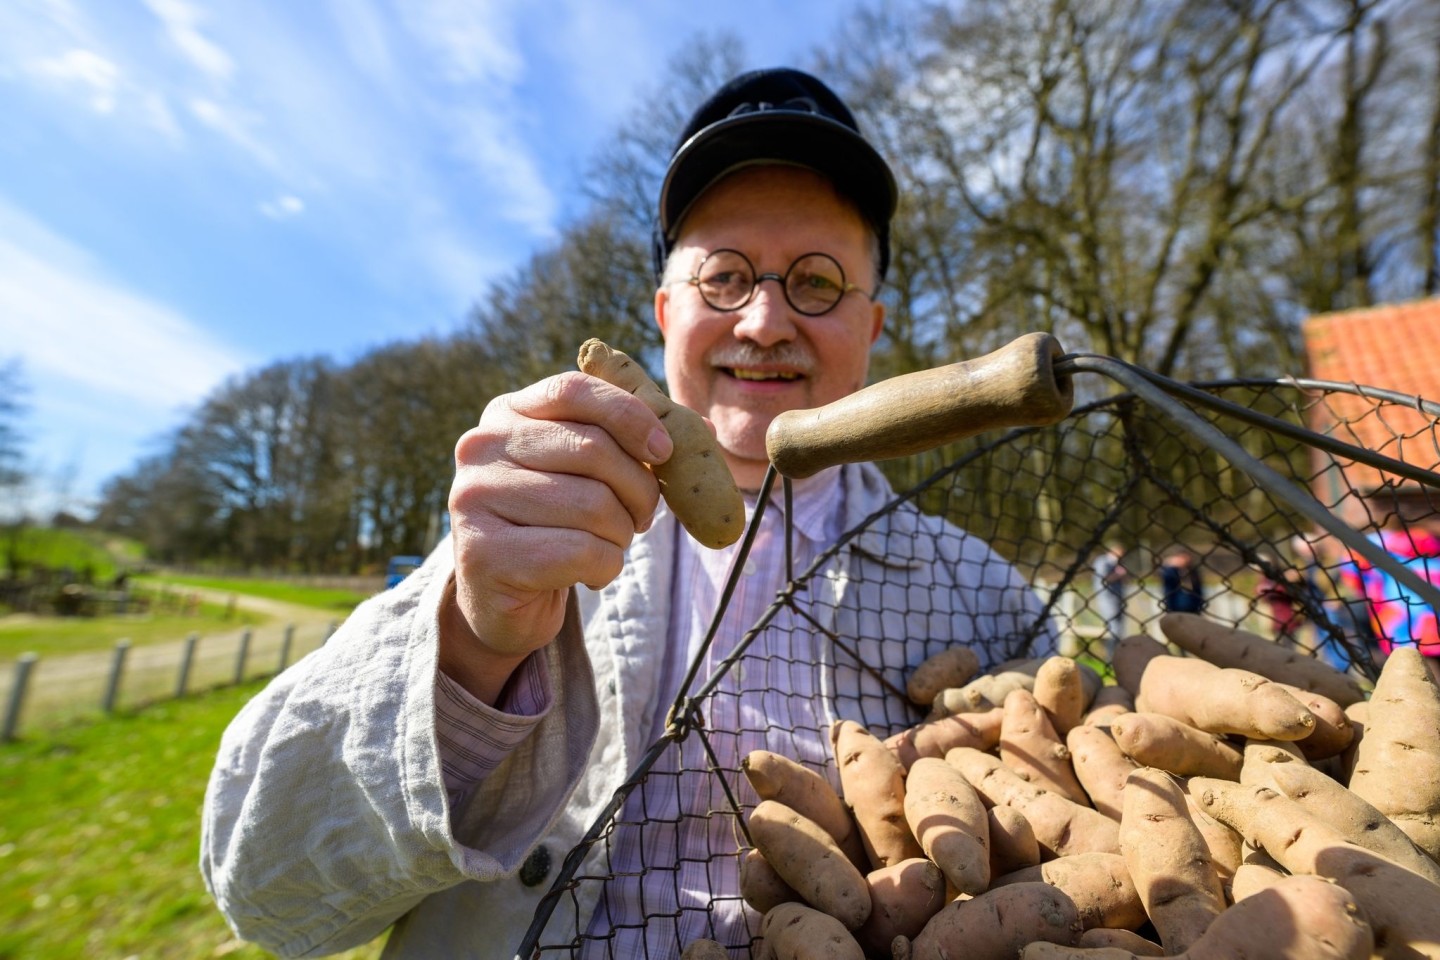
(326, 818)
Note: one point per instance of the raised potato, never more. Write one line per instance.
(990, 689)
(704, 950)
(985, 692)
(695, 481)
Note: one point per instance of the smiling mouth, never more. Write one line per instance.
(761, 376)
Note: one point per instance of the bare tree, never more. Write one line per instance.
(12, 409)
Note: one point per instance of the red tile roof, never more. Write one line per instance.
(1394, 347)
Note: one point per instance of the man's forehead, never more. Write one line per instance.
(731, 198)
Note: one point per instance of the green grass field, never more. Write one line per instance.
(57, 636)
(99, 834)
(322, 599)
(79, 550)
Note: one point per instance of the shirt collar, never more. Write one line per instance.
(816, 503)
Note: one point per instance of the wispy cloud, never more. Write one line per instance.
(472, 40)
(283, 208)
(182, 25)
(73, 325)
(97, 77)
(238, 127)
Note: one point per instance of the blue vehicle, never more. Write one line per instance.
(399, 568)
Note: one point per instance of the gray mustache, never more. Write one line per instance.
(746, 355)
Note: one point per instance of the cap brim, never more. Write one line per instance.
(809, 140)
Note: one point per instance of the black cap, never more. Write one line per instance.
(778, 115)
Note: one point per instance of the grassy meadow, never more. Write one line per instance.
(99, 834)
(340, 601)
(100, 820)
(57, 636)
(101, 555)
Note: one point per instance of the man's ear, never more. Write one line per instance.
(662, 306)
(877, 321)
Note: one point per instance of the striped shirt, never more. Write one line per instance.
(667, 860)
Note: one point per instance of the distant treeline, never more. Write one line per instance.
(1177, 184)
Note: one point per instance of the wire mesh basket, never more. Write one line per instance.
(1308, 508)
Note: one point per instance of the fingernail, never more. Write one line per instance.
(659, 445)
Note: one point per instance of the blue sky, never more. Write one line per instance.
(193, 188)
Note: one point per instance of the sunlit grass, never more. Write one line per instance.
(99, 838)
(57, 636)
(320, 598)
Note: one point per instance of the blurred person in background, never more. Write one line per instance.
(1182, 590)
(1399, 617)
(1111, 581)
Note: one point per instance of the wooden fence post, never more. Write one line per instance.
(187, 657)
(23, 666)
(117, 667)
(243, 656)
(285, 646)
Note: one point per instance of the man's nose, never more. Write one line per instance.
(768, 318)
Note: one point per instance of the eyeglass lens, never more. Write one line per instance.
(813, 284)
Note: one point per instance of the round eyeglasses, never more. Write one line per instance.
(813, 284)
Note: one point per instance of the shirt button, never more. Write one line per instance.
(536, 866)
(749, 568)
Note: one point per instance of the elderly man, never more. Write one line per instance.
(431, 766)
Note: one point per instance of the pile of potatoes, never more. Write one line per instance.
(1232, 799)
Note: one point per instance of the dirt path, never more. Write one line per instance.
(65, 686)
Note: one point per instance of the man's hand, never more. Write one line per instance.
(550, 488)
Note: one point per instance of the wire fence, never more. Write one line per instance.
(46, 692)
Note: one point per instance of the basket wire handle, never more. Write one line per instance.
(1265, 421)
(1016, 385)
(1264, 475)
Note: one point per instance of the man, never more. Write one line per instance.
(434, 763)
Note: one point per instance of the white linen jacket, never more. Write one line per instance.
(326, 819)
